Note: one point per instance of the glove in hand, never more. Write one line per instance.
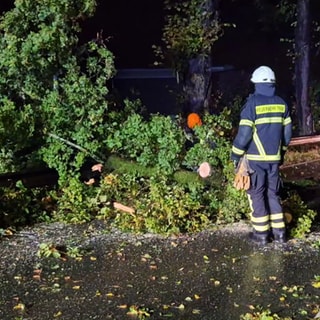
(241, 182)
(242, 177)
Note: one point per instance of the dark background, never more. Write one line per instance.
(133, 26)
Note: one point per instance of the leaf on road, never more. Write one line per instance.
(20, 307)
(58, 314)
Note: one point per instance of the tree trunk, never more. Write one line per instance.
(197, 84)
(302, 67)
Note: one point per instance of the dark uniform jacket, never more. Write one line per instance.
(265, 126)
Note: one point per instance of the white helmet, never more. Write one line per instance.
(263, 74)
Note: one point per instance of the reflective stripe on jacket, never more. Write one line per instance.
(264, 130)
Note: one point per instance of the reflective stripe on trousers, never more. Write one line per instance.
(264, 198)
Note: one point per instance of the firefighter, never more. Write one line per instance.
(264, 133)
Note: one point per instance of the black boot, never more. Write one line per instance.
(280, 237)
(259, 238)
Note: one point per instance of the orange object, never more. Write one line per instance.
(193, 120)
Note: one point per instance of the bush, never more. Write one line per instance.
(156, 143)
(52, 85)
(148, 183)
(302, 216)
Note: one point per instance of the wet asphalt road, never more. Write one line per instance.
(211, 275)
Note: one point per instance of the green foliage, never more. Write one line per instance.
(303, 217)
(72, 205)
(155, 143)
(32, 52)
(52, 85)
(140, 313)
(170, 208)
(74, 252)
(263, 315)
(190, 30)
(17, 128)
(78, 112)
(47, 250)
(160, 204)
(123, 166)
(20, 206)
(233, 204)
(34, 49)
(213, 144)
(235, 110)
(138, 139)
(163, 205)
(164, 200)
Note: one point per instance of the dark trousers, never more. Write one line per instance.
(264, 198)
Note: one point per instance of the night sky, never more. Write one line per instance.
(132, 27)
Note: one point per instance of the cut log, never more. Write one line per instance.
(304, 140)
(122, 207)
